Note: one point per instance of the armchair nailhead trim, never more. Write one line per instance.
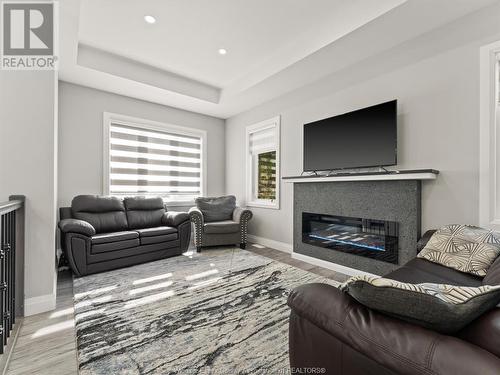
(198, 230)
(245, 217)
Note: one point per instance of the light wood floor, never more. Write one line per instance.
(46, 342)
(283, 257)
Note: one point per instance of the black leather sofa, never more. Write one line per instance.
(102, 233)
(332, 331)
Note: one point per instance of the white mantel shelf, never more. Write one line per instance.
(418, 174)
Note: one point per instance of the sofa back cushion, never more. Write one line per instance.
(493, 275)
(105, 214)
(216, 208)
(65, 213)
(144, 212)
(485, 331)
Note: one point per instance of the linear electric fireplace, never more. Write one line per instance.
(376, 239)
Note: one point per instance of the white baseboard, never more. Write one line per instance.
(331, 266)
(277, 245)
(39, 304)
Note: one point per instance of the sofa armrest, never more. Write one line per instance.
(76, 247)
(397, 345)
(242, 214)
(76, 226)
(196, 214)
(174, 218)
(196, 217)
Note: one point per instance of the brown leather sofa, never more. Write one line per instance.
(330, 330)
(102, 233)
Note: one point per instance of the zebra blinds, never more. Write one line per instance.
(263, 140)
(151, 162)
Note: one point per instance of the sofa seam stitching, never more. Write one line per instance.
(430, 353)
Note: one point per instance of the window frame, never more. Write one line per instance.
(250, 180)
(489, 148)
(109, 118)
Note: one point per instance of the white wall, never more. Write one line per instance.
(81, 144)
(436, 81)
(28, 154)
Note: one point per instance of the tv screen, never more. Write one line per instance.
(363, 138)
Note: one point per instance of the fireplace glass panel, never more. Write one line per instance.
(366, 237)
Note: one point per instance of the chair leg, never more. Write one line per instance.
(243, 245)
(198, 249)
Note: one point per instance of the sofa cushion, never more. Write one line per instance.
(216, 208)
(219, 227)
(440, 307)
(114, 237)
(116, 251)
(464, 248)
(159, 239)
(157, 231)
(420, 270)
(99, 248)
(144, 212)
(105, 214)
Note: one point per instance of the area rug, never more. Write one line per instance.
(218, 312)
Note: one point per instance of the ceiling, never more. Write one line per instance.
(272, 46)
(188, 34)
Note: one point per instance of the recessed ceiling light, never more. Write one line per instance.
(222, 51)
(149, 19)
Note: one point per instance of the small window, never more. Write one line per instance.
(147, 158)
(263, 164)
(266, 182)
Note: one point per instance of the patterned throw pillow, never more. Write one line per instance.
(440, 307)
(464, 248)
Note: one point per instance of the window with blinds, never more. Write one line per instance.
(143, 161)
(263, 164)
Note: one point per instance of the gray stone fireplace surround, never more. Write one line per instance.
(391, 200)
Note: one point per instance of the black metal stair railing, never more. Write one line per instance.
(11, 258)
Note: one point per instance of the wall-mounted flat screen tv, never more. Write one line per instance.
(363, 138)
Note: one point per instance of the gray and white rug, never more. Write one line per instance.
(222, 311)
